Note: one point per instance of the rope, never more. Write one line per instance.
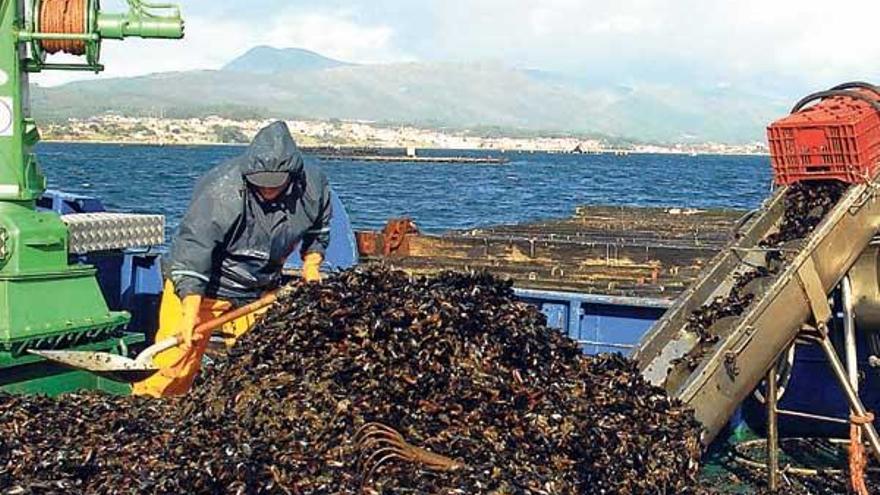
(66, 17)
(858, 461)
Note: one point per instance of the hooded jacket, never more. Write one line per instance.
(231, 244)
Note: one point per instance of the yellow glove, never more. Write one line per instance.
(312, 267)
(188, 320)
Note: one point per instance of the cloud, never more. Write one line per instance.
(740, 43)
(335, 35)
(211, 42)
(620, 24)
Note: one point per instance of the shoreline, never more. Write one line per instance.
(613, 152)
(138, 143)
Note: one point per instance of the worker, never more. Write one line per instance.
(246, 217)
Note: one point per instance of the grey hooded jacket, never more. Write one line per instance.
(232, 245)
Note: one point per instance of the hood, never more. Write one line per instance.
(273, 150)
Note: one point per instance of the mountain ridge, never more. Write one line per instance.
(454, 95)
(265, 59)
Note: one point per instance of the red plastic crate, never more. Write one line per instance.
(838, 138)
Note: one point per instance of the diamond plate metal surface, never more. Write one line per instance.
(93, 232)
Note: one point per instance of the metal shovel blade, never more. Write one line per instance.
(95, 361)
(120, 368)
(112, 366)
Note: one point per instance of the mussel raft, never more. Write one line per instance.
(454, 363)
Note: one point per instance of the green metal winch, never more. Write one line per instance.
(45, 301)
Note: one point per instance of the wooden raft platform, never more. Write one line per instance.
(625, 251)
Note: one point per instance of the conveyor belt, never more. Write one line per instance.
(722, 374)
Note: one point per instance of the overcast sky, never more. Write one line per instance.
(743, 43)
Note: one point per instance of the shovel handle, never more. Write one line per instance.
(163, 345)
(237, 313)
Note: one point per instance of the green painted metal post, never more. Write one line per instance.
(41, 295)
(20, 177)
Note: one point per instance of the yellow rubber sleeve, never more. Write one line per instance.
(312, 267)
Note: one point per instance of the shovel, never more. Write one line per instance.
(123, 369)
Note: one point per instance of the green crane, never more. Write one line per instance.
(45, 302)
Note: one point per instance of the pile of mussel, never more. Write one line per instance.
(806, 205)
(372, 382)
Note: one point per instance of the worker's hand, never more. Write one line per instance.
(312, 267)
(188, 320)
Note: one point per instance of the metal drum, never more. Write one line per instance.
(865, 278)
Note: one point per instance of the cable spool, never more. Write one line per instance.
(78, 27)
(65, 17)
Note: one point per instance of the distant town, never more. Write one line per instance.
(344, 134)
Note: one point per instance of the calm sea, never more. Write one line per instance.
(533, 186)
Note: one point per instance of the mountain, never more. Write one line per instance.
(268, 82)
(269, 60)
